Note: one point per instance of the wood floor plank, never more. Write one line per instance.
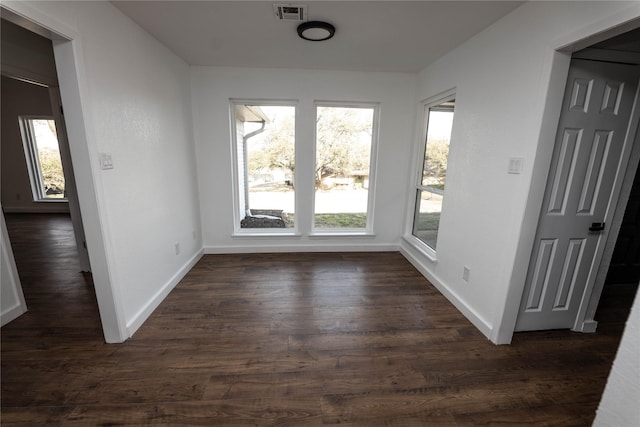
(300, 339)
(30, 416)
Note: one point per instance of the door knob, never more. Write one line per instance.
(596, 226)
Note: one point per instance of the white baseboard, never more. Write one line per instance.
(453, 298)
(12, 314)
(311, 247)
(154, 302)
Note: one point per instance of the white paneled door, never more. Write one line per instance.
(592, 132)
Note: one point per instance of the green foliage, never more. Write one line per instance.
(343, 143)
(340, 148)
(280, 146)
(428, 221)
(52, 173)
(275, 147)
(435, 162)
(341, 220)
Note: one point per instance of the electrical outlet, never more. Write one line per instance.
(193, 234)
(465, 273)
(177, 247)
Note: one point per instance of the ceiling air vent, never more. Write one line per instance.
(290, 12)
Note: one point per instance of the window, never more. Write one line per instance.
(431, 182)
(344, 142)
(265, 165)
(40, 140)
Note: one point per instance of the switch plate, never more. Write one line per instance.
(106, 162)
(515, 165)
(465, 273)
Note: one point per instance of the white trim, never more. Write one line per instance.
(319, 233)
(235, 184)
(477, 321)
(507, 311)
(305, 247)
(14, 284)
(421, 247)
(418, 164)
(12, 313)
(268, 232)
(24, 14)
(143, 314)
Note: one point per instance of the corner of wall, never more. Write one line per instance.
(141, 316)
(422, 265)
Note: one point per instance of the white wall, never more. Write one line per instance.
(619, 404)
(134, 103)
(211, 90)
(27, 55)
(503, 110)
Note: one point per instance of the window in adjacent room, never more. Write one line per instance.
(345, 144)
(40, 140)
(265, 166)
(430, 188)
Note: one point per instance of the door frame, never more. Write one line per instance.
(69, 176)
(574, 318)
(560, 58)
(83, 150)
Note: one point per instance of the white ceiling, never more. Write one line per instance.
(403, 36)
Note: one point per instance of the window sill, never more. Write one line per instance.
(269, 233)
(339, 233)
(421, 247)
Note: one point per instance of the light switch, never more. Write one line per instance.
(515, 165)
(106, 162)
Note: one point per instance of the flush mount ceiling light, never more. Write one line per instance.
(316, 31)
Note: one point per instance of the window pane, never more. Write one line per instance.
(427, 217)
(440, 121)
(47, 176)
(431, 187)
(266, 165)
(344, 138)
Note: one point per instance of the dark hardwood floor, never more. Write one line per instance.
(356, 339)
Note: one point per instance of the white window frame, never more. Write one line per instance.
(418, 166)
(235, 184)
(373, 163)
(33, 160)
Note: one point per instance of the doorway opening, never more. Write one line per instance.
(589, 184)
(39, 196)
